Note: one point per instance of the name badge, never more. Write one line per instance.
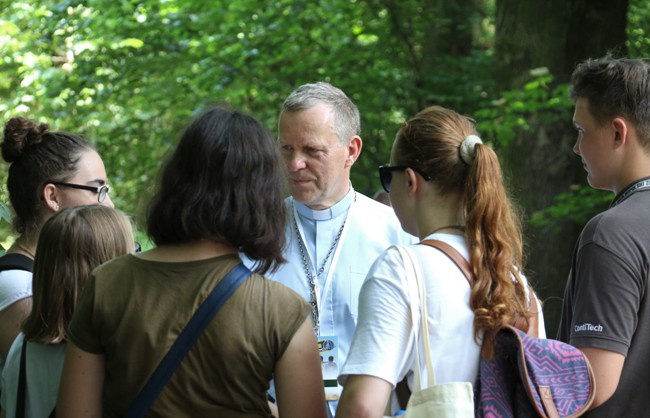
(329, 359)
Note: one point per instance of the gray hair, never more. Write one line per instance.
(347, 122)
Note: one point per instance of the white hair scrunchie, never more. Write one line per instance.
(468, 148)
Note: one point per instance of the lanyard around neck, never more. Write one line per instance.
(639, 185)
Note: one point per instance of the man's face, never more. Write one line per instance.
(595, 145)
(318, 165)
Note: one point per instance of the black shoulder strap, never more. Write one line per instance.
(15, 261)
(22, 376)
(186, 340)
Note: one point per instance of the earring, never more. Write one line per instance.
(56, 207)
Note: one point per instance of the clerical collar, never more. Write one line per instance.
(638, 185)
(340, 208)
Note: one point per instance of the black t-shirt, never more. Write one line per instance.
(606, 303)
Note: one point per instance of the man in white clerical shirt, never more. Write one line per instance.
(334, 232)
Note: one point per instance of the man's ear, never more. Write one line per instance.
(621, 131)
(51, 197)
(354, 149)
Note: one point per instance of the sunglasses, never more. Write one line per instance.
(386, 174)
(101, 191)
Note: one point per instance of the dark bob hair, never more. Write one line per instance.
(224, 182)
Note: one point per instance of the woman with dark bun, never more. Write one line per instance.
(48, 171)
(221, 194)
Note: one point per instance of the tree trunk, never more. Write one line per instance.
(432, 33)
(555, 34)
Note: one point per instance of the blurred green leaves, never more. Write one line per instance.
(129, 74)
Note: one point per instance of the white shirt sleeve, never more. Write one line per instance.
(14, 285)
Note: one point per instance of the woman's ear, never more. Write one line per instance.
(51, 197)
(413, 181)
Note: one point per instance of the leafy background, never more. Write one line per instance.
(128, 75)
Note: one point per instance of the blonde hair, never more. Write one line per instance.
(431, 142)
(71, 244)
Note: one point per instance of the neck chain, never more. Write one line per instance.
(639, 185)
(311, 277)
(459, 227)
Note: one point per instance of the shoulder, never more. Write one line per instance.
(122, 262)
(378, 220)
(373, 207)
(9, 278)
(14, 285)
(623, 228)
(274, 291)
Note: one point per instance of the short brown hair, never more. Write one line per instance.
(615, 87)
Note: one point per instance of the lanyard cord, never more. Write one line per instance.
(639, 185)
(311, 278)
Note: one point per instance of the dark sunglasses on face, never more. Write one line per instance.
(386, 174)
(101, 191)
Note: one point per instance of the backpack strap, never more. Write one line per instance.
(186, 340)
(464, 266)
(15, 261)
(454, 256)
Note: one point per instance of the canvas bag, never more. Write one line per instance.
(448, 400)
(527, 376)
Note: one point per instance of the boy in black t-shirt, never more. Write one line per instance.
(606, 310)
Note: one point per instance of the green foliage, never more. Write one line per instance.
(638, 28)
(129, 75)
(539, 102)
(5, 212)
(578, 205)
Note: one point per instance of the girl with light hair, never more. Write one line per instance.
(71, 244)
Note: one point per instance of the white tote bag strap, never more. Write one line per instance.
(417, 294)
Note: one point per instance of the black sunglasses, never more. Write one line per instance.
(386, 174)
(101, 191)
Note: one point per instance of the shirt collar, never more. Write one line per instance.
(339, 208)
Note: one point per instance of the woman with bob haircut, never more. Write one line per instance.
(444, 184)
(221, 193)
(71, 244)
(48, 171)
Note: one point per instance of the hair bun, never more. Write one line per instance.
(19, 135)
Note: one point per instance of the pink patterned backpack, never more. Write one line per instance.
(527, 376)
(532, 377)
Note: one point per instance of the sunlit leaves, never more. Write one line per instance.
(129, 74)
